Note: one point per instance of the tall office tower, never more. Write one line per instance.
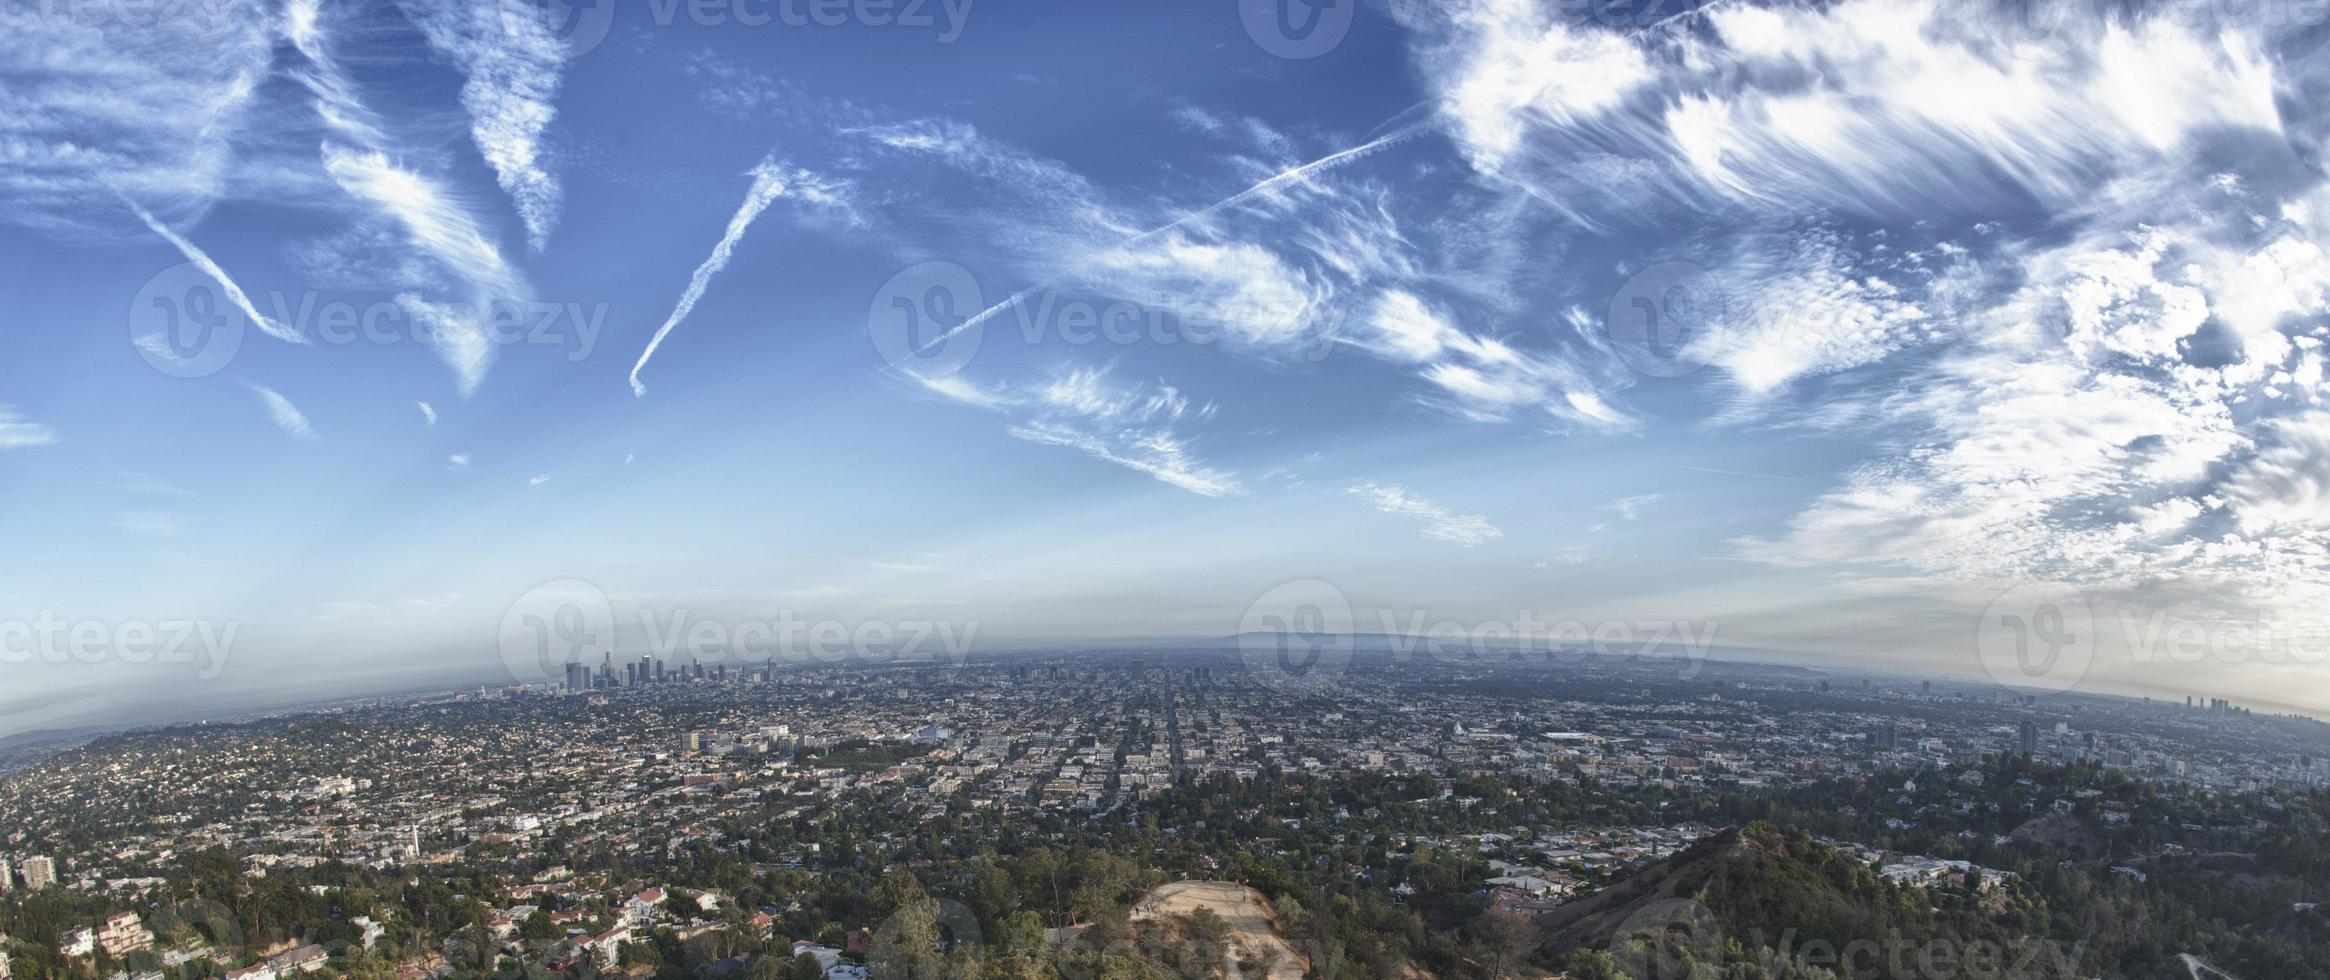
(39, 873)
(607, 670)
(1886, 736)
(2029, 742)
(577, 678)
(649, 670)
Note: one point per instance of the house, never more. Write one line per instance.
(1531, 885)
(306, 959)
(79, 943)
(607, 944)
(829, 960)
(641, 907)
(124, 934)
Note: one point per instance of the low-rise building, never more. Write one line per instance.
(124, 934)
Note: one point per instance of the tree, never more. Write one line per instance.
(804, 967)
(906, 946)
(1506, 937)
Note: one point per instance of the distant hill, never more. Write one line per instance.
(1762, 903)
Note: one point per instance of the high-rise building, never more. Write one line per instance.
(578, 678)
(39, 873)
(2028, 744)
(7, 880)
(1885, 737)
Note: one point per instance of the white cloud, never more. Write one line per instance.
(108, 100)
(18, 432)
(1629, 508)
(1506, 66)
(1158, 454)
(1085, 410)
(1805, 304)
(2288, 485)
(1440, 524)
(1480, 377)
(460, 257)
(428, 414)
(515, 66)
(285, 415)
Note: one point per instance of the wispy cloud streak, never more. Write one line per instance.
(225, 282)
(515, 66)
(18, 432)
(1440, 524)
(285, 415)
(768, 184)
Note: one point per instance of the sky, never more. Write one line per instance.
(354, 347)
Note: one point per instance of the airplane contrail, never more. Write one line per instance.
(1285, 177)
(202, 260)
(1275, 181)
(768, 184)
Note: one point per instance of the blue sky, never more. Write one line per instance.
(1958, 322)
